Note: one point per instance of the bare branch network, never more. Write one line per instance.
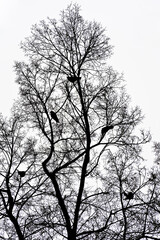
(70, 160)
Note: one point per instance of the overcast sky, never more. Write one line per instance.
(132, 25)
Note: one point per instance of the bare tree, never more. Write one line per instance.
(86, 132)
(21, 178)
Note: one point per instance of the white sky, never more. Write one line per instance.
(132, 25)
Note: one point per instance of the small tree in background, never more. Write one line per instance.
(21, 179)
(89, 179)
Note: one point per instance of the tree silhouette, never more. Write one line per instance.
(84, 174)
(16, 197)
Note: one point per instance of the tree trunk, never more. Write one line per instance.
(17, 227)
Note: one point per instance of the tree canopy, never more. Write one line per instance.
(76, 135)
